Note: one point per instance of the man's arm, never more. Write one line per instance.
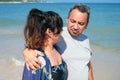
(30, 57)
(90, 76)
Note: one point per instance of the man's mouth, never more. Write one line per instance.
(74, 31)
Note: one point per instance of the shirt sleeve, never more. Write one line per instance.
(31, 74)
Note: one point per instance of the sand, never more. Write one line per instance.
(105, 66)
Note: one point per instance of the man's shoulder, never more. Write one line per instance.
(84, 40)
(83, 37)
(65, 32)
(64, 28)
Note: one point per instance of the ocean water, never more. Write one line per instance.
(104, 26)
(103, 29)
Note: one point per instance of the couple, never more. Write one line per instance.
(73, 46)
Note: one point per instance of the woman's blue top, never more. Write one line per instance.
(48, 72)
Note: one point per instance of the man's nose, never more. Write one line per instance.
(76, 26)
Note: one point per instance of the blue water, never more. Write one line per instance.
(103, 28)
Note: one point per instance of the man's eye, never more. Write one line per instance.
(81, 23)
(72, 21)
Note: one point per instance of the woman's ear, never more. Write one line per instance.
(49, 32)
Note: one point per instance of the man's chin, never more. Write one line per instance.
(74, 34)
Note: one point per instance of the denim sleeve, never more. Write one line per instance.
(31, 74)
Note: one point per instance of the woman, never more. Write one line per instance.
(42, 31)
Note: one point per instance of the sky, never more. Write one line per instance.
(86, 1)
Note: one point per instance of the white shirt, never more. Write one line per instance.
(77, 53)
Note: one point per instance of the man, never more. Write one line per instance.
(74, 46)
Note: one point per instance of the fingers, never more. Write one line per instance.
(30, 57)
(36, 63)
(32, 65)
(28, 67)
(39, 53)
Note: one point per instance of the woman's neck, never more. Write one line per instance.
(48, 47)
(52, 54)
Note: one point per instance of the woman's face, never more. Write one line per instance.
(53, 37)
(56, 36)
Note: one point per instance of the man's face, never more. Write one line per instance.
(77, 22)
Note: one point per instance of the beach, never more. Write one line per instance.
(105, 67)
(103, 31)
(10, 71)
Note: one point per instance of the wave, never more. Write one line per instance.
(17, 62)
(12, 2)
(2, 31)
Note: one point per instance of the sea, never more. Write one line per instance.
(103, 31)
